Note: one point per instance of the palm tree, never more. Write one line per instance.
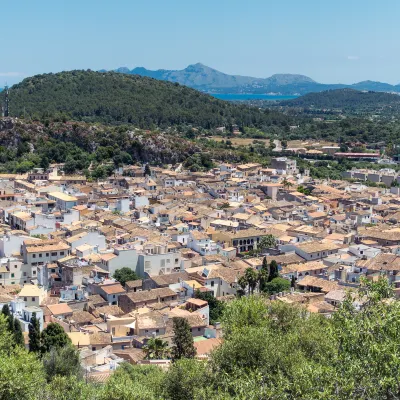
(242, 282)
(251, 277)
(286, 184)
(156, 348)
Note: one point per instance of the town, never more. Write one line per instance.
(113, 262)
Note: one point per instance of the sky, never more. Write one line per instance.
(340, 41)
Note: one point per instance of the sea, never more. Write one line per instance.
(243, 96)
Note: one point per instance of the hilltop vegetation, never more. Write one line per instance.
(114, 98)
(345, 99)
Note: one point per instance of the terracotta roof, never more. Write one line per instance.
(60, 309)
(153, 294)
(112, 288)
(204, 347)
(325, 285)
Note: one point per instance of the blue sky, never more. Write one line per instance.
(331, 41)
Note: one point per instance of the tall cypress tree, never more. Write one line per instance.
(273, 271)
(183, 339)
(293, 282)
(18, 335)
(34, 334)
(10, 319)
(147, 170)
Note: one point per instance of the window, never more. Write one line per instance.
(176, 260)
(157, 330)
(40, 255)
(12, 275)
(33, 255)
(15, 266)
(61, 253)
(113, 296)
(54, 253)
(33, 298)
(198, 329)
(24, 273)
(1, 276)
(34, 272)
(25, 299)
(212, 283)
(168, 260)
(47, 254)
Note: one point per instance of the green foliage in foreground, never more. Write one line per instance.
(270, 351)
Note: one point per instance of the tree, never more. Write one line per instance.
(62, 361)
(183, 339)
(251, 278)
(216, 306)
(242, 283)
(128, 382)
(263, 275)
(277, 285)
(273, 271)
(266, 242)
(147, 170)
(18, 335)
(187, 378)
(293, 282)
(124, 275)
(287, 184)
(34, 334)
(10, 319)
(54, 336)
(44, 163)
(156, 348)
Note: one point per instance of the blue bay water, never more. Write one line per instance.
(242, 96)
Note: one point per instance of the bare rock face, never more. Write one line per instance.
(6, 123)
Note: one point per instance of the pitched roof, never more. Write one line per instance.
(148, 295)
(113, 288)
(60, 309)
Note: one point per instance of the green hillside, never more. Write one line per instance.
(110, 97)
(345, 99)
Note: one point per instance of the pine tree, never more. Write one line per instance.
(293, 282)
(273, 271)
(34, 334)
(18, 335)
(10, 319)
(183, 339)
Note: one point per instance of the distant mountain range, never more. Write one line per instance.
(206, 79)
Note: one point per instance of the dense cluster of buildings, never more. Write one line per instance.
(63, 238)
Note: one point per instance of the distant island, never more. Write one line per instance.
(209, 80)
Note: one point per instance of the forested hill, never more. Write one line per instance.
(110, 97)
(344, 99)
